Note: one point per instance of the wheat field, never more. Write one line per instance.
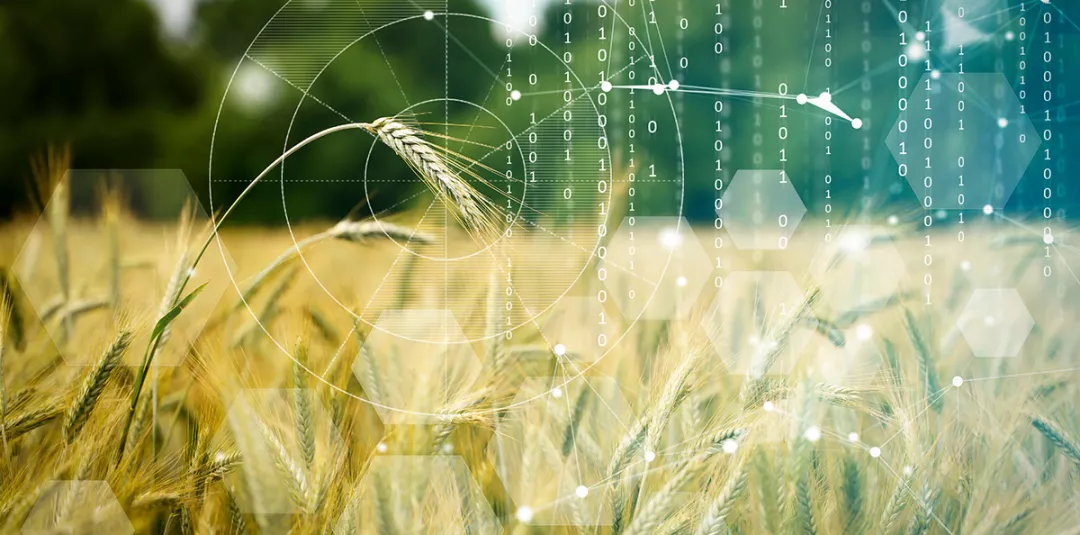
(135, 402)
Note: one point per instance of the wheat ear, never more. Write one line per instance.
(476, 213)
(1059, 438)
(93, 385)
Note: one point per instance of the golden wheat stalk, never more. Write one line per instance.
(93, 385)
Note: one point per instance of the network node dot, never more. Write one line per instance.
(429, 15)
(658, 89)
(1009, 36)
(825, 97)
(605, 86)
(1048, 239)
(893, 220)
(935, 74)
(864, 332)
(1003, 122)
(673, 85)
(988, 209)
(582, 491)
(853, 437)
(965, 265)
(650, 456)
(524, 514)
(801, 98)
(556, 392)
(908, 470)
(921, 36)
(768, 406)
(813, 433)
(856, 123)
(560, 349)
(957, 381)
(875, 452)
(380, 447)
(515, 95)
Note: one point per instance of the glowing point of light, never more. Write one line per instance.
(864, 332)
(680, 282)
(730, 446)
(605, 86)
(515, 95)
(801, 98)
(582, 491)
(988, 209)
(825, 97)
(1002, 122)
(650, 456)
(429, 15)
(380, 447)
(560, 349)
(670, 239)
(768, 406)
(673, 85)
(813, 433)
(853, 437)
(856, 123)
(658, 89)
(875, 452)
(524, 513)
(957, 381)
(556, 392)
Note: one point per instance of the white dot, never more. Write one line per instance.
(957, 381)
(448, 448)
(380, 447)
(853, 437)
(1046, 1)
(988, 209)
(560, 349)
(935, 74)
(813, 433)
(908, 471)
(429, 15)
(658, 89)
(1048, 239)
(556, 392)
(864, 331)
(965, 265)
(730, 446)
(825, 97)
(1009, 36)
(893, 220)
(605, 86)
(801, 98)
(582, 491)
(920, 36)
(989, 320)
(856, 123)
(768, 406)
(650, 456)
(915, 51)
(680, 282)
(875, 452)
(673, 85)
(524, 513)
(1003, 122)
(515, 95)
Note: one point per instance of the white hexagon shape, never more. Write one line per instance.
(761, 209)
(111, 247)
(77, 507)
(995, 322)
(656, 261)
(580, 327)
(975, 136)
(418, 494)
(287, 442)
(859, 270)
(425, 367)
(750, 310)
(555, 470)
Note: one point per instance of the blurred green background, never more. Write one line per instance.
(132, 84)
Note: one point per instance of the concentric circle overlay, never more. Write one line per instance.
(515, 135)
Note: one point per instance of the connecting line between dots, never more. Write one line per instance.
(822, 101)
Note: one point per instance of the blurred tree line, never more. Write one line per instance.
(102, 77)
